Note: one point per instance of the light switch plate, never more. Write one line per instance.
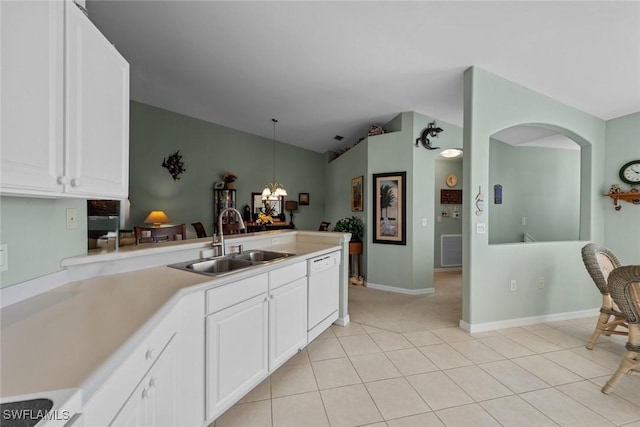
(72, 218)
(481, 228)
(4, 257)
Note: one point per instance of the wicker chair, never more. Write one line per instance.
(624, 284)
(599, 262)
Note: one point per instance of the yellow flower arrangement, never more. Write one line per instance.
(264, 219)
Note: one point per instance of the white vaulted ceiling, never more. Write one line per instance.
(333, 68)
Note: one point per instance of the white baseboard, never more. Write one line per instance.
(401, 290)
(343, 321)
(446, 269)
(525, 321)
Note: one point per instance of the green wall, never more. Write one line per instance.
(406, 267)
(622, 228)
(539, 184)
(339, 174)
(208, 150)
(37, 235)
(492, 104)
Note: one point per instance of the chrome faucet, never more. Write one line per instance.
(220, 231)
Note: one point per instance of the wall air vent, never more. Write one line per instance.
(338, 138)
(451, 250)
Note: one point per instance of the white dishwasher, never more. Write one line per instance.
(323, 294)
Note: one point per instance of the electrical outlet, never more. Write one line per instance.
(541, 283)
(424, 222)
(72, 218)
(514, 286)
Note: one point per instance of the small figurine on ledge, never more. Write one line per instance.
(615, 189)
(228, 178)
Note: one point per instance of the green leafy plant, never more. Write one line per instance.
(353, 225)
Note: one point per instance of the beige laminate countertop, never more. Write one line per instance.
(61, 338)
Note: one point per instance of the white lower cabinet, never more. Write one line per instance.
(237, 340)
(143, 389)
(254, 326)
(153, 402)
(287, 322)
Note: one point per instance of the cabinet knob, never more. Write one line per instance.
(63, 180)
(75, 182)
(145, 393)
(149, 354)
(152, 382)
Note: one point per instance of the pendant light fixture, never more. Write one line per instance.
(273, 190)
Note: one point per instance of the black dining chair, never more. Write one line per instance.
(200, 231)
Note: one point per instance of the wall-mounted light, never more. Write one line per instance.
(432, 130)
(451, 153)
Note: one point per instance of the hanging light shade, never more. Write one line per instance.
(274, 190)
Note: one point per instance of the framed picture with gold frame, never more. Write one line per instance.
(357, 198)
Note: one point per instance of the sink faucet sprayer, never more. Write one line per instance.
(220, 231)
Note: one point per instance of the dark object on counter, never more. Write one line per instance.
(246, 213)
(24, 413)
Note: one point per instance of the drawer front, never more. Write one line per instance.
(236, 292)
(288, 274)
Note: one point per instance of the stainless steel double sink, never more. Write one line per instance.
(231, 263)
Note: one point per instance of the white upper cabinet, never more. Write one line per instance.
(65, 107)
(97, 120)
(31, 96)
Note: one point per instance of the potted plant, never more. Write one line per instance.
(355, 226)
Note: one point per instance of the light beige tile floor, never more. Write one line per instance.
(406, 370)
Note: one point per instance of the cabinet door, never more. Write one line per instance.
(287, 322)
(97, 120)
(162, 384)
(153, 403)
(237, 352)
(31, 105)
(134, 412)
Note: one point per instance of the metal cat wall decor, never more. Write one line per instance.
(174, 165)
